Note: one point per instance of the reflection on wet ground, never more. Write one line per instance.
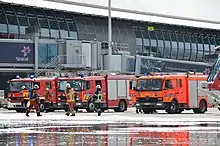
(122, 134)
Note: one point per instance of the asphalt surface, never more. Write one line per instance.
(110, 129)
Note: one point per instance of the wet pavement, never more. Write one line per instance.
(121, 134)
(77, 131)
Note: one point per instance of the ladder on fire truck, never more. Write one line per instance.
(53, 63)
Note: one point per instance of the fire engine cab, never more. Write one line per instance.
(172, 92)
(15, 98)
(115, 92)
(56, 87)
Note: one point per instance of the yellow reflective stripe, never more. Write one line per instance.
(86, 97)
(99, 96)
(70, 100)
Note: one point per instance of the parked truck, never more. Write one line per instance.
(116, 91)
(115, 94)
(173, 93)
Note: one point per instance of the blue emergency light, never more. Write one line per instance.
(17, 76)
(81, 75)
(66, 75)
(31, 76)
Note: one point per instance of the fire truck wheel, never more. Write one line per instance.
(91, 107)
(76, 109)
(121, 106)
(147, 111)
(202, 108)
(19, 110)
(179, 111)
(173, 107)
(41, 106)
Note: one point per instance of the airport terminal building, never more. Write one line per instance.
(160, 40)
(145, 38)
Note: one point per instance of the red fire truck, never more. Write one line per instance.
(15, 98)
(56, 87)
(116, 91)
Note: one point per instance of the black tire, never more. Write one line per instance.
(147, 111)
(173, 107)
(91, 107)
(121, 106)
(202, 107)
(179, 111)
(76, 109)
(51, 110)
(42, 106)
(19, 110)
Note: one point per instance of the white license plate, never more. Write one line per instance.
(147, 103)
(78, 103)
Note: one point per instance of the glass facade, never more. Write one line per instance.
(144, 38)
(53, 24)
(175, 42)
(46, 52)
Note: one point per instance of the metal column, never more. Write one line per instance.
(109, 36)
(36, 42)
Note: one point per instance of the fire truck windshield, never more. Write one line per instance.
(16, 86)
(75, 84)
(149, 85)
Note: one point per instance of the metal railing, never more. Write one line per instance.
(53, 63)
(60, 62)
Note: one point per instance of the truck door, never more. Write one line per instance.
(87, 89)
(132, 85)
(52, 90)
(169, 90)
(180, 92)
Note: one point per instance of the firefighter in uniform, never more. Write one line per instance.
(97, 97)
(48, 97)
(24, 92)
(34, 101)
(70, 100)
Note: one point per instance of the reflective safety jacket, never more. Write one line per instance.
(97, 95)
(47, 96)
(34, 94)
(70, 95)
(25, 94)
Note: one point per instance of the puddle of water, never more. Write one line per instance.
(111, 135)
